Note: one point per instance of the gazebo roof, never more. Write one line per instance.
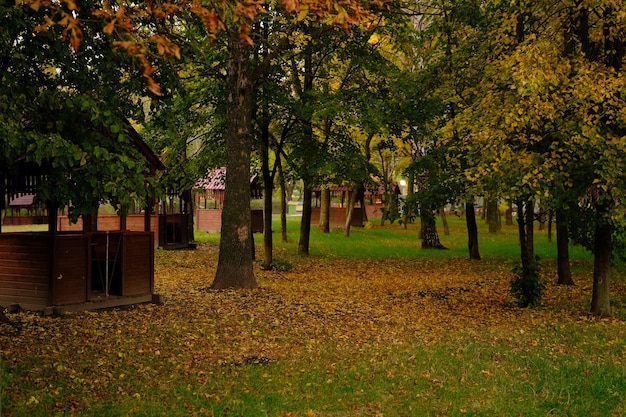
(25, 200)
(215, 180)
(370, 189)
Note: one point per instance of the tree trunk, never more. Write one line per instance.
(283, 199)
(601, 300)
(324, 225)
(525, 222)
(305, 224)
(189, 211)
(493, 216)
(268, 188)
(508, 215)
(550, 222)
(472, 231)
(234, 267)
(564, 272)
(444, 221)
(430, 237)
(410, 190)
(354, 197)
(268, 243)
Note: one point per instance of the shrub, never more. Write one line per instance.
(528, 287)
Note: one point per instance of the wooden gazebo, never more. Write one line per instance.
(368, 207)
(75, 269)
(209, 199)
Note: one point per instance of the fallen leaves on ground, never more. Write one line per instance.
(88, 357)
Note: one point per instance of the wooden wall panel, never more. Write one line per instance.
(209, 220)
(338, 216)
(24, 269)
(70, 272)
(137, 264)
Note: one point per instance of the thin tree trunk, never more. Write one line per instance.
(324, 225)
(564, 272)
(550, 222)
(601, 299)
(234, 267)
(508, 215)
(283, 199)
(493, 216)
(472, 231)
(410, 190)
(525, 222)
(189, 211)
(305, 224)
(268, 242)
(354, 197)
(444, 221)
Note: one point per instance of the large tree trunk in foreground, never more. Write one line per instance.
(601, 300)
(564, 272)
(234, 268)
(472, 231)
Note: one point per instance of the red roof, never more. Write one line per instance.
(370, 189)
(22, 201)
(215, 180)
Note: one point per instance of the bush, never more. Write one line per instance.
(280, 265)
(528, 288)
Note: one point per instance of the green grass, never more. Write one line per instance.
(481, 375)
(396, 242)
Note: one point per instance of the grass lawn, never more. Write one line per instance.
(370, 325)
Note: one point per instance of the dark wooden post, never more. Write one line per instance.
(123, 212)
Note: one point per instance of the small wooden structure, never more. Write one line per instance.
(14, 215)
(369, 207)
(175, 228)
(75, 269)
(209, 199)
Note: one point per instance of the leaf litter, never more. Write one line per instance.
(90, 357)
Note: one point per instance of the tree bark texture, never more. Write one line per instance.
(234, 268)
(525, 222)
(324, 225)
(472, 231)
(268, 242)
(354, 197)
(508, 215)
(493, 216)
(564, 273)
(430, 237)
(600, 299)
(444, 221)
(268, 188)
(283, 199)
(305, 224)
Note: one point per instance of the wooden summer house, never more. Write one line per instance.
(175, 229)
(209, 200)
(368, 207)
(73, 269)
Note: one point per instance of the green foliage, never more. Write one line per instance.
(528, 286)
(68, 112)
(280, 265)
